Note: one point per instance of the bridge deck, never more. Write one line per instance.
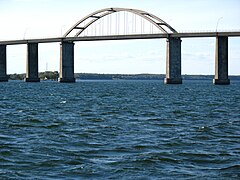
(122, 37)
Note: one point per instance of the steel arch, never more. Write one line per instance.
(93, 17)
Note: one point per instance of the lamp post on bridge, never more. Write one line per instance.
(63, 26)
(25, 32)
(218, 22)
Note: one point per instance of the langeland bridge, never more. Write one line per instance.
(79, 32)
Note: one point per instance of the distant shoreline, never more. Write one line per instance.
(53, 75)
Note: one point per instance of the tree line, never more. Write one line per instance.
(47, 75)
(54, 75)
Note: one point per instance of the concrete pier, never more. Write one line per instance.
(3, 63)
(66, 73)
(173, 61)
(32, 63)
(221, 61)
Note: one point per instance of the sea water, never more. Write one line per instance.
(119, 130)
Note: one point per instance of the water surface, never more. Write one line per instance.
(120, 130)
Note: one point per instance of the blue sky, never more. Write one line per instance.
(50, 18)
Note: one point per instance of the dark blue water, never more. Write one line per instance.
(119, 130)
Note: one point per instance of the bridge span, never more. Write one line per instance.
(123, 37)
(173, 56)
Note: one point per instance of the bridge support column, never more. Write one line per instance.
(3, 63)
(221, 61)
(173, 61)
(32, 63)
(67, 62)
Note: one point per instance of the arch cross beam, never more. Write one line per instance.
(88, 20)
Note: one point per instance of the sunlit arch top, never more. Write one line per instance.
(93, 17)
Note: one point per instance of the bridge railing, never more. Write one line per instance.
(208, 31)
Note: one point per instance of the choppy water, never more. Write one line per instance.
(119, 130)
